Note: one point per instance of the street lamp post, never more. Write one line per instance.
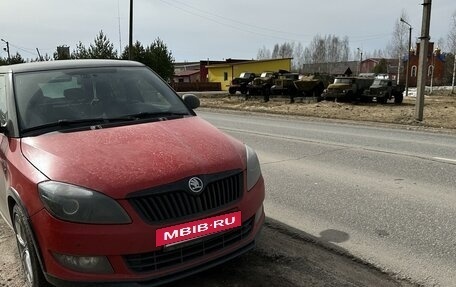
(7, 50)
(360, 60)
(408, 57)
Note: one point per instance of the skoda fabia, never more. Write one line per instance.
(109, 177)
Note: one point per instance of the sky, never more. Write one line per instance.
(211, 29)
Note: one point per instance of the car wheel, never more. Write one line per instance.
(382, 100)
(232, 91)
(398, 99)
(31, 267)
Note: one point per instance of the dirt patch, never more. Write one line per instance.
(439, 109)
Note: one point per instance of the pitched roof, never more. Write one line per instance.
(186, 73)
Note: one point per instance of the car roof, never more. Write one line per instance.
(66, 64)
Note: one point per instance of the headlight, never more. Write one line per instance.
(77, 204)
(253, 168)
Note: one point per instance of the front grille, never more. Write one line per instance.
(258, 82)
(155, 261)
(179, 203)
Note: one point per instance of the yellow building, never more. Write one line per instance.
(224, 73)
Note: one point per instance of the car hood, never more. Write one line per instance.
(120, 160)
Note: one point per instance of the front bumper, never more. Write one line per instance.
(334, 95)
(118, 242)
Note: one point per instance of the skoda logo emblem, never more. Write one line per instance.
(195, 184)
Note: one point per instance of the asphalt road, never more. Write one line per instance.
(369, 196)
(384, 195)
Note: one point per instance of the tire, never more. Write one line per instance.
(33, 274)
(232, 91)
(243, 91)
(382, 100)
(398, 99)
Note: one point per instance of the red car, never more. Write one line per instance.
(109, 177)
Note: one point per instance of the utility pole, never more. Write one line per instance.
(7, 50)
(422, 67)
(130, 40)
(408, 57)
(39, 55)
(360, 61)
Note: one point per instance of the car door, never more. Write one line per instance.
(3, 147)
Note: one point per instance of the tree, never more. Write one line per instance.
(138, 53)
(16, 59)
(381, 67)
(80, 52)
(275, 52)
(452, 46)
(156, 56)
(298, 57)
(160, 59)
(102, 48)
(263, 53)
(399, 42)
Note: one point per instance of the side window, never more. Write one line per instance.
(225, 76)
(3, 105)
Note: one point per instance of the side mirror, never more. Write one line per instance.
(191, 101)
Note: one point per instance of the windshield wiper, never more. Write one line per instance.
(71, 123)
(157, 115)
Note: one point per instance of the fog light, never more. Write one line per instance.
(85, 264)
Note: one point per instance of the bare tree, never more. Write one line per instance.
(399, 41)
(322, 51)
(452, 46)
(286, 50)
(298, 57)
(345, 49)
(275, 51)
(264, 53)
(307, 56)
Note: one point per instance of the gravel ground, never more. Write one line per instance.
(439, 109)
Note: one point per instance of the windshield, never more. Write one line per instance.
(266, 75)
(380, 82)
(343, 81)
(47, 97)
(245, 75)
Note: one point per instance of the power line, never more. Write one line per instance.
(24, 50)
(225, 24)
(240, 22)
(360, 38)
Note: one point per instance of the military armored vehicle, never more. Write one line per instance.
(285, 84)
(262, 85)
(240, 83)
(348, 89)
(313, 85)
(384, 90)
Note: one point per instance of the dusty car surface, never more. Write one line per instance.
(110, 178)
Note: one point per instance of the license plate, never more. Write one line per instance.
(195, 229)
